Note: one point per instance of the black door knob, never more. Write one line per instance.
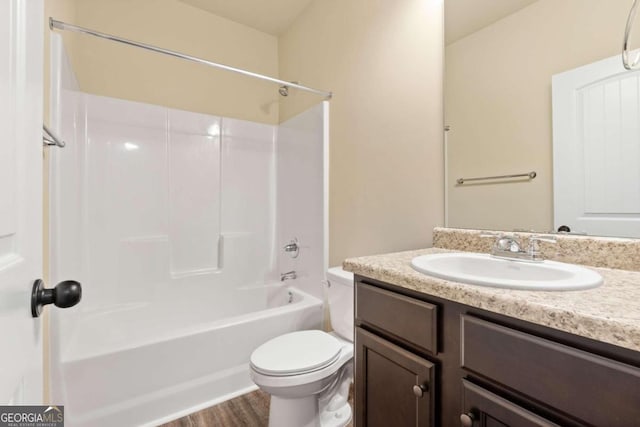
(64, 294)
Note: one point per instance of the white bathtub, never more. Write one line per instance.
(149, 363)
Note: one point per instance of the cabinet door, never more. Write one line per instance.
(394, 387)
(485, 409)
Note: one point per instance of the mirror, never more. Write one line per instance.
(500, 59)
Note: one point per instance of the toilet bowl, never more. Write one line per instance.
(308, 373)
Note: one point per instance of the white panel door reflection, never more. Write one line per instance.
(596, 149)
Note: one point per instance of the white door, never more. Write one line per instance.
(596, 149)
(21, 40)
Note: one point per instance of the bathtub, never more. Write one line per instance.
(146, 364)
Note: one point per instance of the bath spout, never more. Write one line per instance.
(289, 275)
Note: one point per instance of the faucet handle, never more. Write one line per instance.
(508, 243)
(292, 248)
(503, 241)
(534, 248)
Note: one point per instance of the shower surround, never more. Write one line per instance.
(174, 222)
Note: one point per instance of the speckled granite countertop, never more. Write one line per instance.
(610, 313)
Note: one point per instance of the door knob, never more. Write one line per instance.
(64, 294)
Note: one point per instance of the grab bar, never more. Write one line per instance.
(530, 175)
(50, 139)
(625, 44)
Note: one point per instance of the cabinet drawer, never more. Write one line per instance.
(597, 390)
(488, 409)
(406, 318)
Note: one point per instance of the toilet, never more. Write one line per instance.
(308, 373)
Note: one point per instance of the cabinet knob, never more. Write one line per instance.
(419, 389)
(466, 420)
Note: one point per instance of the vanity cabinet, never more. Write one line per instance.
(473, 368)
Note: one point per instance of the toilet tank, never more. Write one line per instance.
(340, 292)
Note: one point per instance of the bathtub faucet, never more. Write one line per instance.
(288, 276)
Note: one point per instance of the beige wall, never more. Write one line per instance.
(498, 104)
(383, 61)
(110, 69)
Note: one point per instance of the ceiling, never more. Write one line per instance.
(464, 17)
(269, 16)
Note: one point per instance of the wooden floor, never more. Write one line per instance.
(248, 410)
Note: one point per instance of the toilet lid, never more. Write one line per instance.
(296, 353)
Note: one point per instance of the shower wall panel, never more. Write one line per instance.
(194, 192)
(302, 154)
(126, 201)
(158, 195)
(168, 218)
(248, 201)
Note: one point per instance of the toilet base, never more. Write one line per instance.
(303, 412)
(338, 418)
(288, 412)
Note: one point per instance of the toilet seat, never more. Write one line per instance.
(296, 353)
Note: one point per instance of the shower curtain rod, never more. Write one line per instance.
(54, 24)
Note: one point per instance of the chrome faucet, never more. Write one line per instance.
(289, 275)
(506, 244)
(509, 247)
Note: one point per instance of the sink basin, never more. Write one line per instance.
(485, 270)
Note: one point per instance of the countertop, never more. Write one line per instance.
(609, 313)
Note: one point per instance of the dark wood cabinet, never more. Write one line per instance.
(395, 387)
(380, 309)
(481, 408)
(570, 380)
(481, 369)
